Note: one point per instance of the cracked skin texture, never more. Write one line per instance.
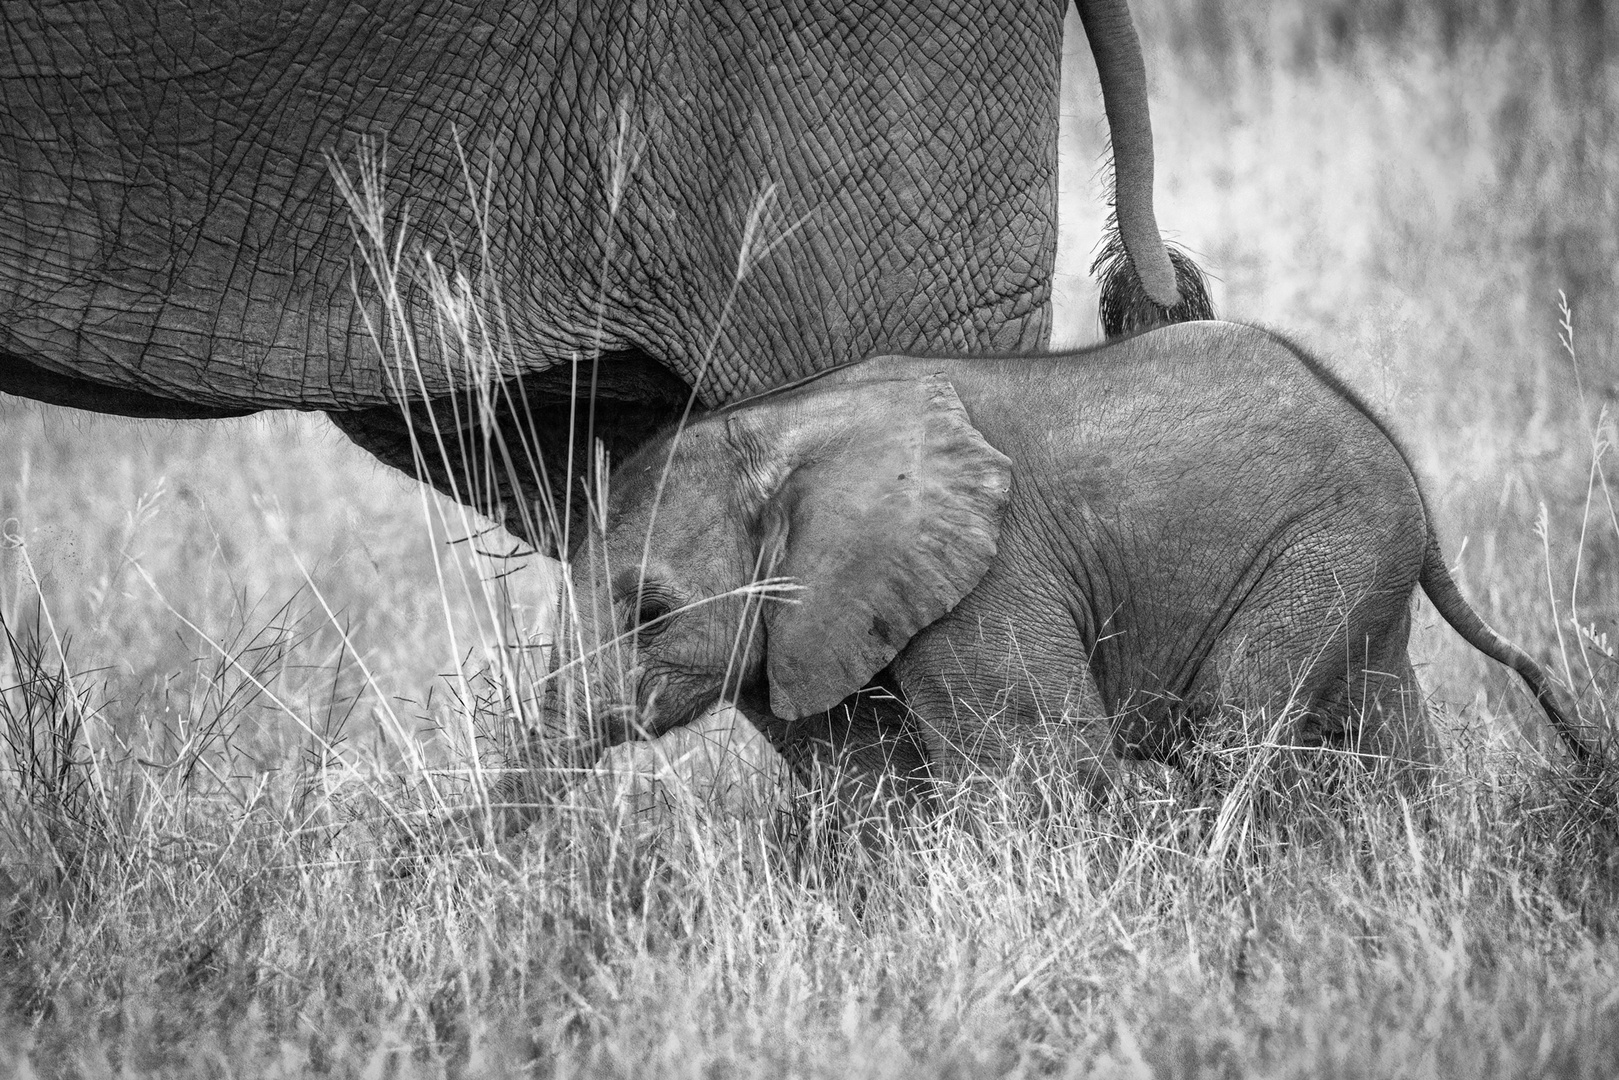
(170, 229)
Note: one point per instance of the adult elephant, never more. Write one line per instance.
(172, 243)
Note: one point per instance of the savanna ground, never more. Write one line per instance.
(239, 655)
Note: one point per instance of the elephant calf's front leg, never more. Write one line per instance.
(865, 757)
(1003, 701)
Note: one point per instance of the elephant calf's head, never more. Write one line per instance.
(781, 550)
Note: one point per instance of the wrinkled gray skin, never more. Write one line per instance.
(1119, 541)
(172, 242)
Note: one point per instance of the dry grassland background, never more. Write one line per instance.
(269, 633)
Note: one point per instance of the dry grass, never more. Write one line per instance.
(237, 655)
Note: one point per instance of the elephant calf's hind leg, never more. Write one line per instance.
(1329, 646)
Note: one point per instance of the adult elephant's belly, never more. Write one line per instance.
(747, 193)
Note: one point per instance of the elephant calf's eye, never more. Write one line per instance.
(651, 615)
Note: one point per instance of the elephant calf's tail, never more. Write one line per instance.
(1441, 589)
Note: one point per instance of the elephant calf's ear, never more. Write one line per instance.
(892, 502)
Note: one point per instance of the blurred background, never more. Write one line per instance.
(1403, 187)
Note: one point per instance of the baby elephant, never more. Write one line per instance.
(1116, 540)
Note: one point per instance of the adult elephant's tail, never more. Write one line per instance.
(1441, 589)
(1145, 283)
(1127, 307)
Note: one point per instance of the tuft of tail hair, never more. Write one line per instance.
(1125, 307)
